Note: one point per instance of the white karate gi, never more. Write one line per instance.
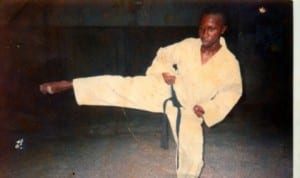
(215, 85)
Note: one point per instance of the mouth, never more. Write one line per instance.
(204, 41)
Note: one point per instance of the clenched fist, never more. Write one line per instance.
(199, 111)
(169, 78)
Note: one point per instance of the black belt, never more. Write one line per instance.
(165, 134)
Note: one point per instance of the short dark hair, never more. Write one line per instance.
(215, 10)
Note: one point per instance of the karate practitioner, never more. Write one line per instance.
(204, 74)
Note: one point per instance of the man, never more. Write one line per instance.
(203, 73)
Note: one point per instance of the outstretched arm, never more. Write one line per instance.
(55, 87)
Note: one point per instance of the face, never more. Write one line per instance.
(210, 29)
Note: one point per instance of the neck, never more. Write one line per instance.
(211, 49)
(208, 52)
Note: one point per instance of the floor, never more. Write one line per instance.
(245, 145)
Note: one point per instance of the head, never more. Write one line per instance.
(212, 25)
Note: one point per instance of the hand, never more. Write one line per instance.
(55, 87)
(169, 79)
(199, 111)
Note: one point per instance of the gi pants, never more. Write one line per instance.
(148, 93)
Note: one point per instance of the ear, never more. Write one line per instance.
(224, 28)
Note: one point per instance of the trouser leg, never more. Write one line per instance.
(190, 150)
(140, 92)
(190, 142)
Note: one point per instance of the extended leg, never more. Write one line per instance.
(140, 92)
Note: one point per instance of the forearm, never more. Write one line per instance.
(217, 108)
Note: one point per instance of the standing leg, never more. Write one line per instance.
(190, 143)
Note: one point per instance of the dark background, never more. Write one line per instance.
(48, 41)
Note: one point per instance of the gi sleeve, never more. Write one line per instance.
(227, 96)
(163, 62)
